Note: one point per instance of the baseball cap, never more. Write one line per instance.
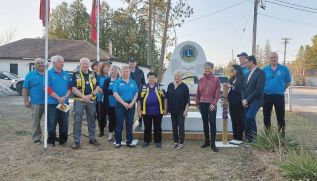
(132, 59)
(243, 54)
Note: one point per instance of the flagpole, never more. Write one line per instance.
(98, 27)
(46, 72)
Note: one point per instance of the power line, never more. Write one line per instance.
(287, 6)
(296, 5)
(216, 12)
(287, 20)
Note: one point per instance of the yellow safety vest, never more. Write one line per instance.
(160, 97)
(80, 83)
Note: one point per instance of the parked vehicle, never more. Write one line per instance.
(12, 81)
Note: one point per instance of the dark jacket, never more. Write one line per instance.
(106, 92)
(178, 98)
(138, 77)
(234, 94)
(254, 89)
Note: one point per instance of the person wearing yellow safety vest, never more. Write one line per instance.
(85, 86)
(152, 100)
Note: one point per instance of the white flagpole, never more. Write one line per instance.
(46, 72)
(98, 27)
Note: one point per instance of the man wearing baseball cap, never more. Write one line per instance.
(243, 60)
(137, 75)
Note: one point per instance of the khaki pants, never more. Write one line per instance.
(37, 113)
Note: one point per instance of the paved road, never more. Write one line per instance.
(303, 99)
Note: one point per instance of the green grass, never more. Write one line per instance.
(272, 140)
(301, 165)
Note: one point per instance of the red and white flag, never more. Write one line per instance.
(43, 10)
(93, 20)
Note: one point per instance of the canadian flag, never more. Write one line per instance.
(43, 10)
(93, 20)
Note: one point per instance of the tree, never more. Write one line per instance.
(78, 21)
(7, 37)
(266, 53)
(310, 55)
(259, 55)
(59, 22)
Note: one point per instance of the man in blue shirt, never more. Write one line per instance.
(58, 91)
(33, 88)
(125, 91)
(278, 78)
(243, 60)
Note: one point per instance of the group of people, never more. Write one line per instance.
(107, 92)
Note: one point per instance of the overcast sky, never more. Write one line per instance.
(217, 33)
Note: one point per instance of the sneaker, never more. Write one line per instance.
(180, 146)
(130, 145)
(158, 145)
(214, 148)
(63, 143)
(175, 145)
(235, 142)
(94, 142)
(76, 146)
(38, 142)
(205, 145)
(145, 144)
(117, 145)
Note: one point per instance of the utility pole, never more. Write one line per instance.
(285, 42)
(255, 19)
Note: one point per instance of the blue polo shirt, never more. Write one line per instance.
(101, 83)
(245, 70)
(276, 80)
(112, 100)
(59, 82)
(34, 83)
(126, 90)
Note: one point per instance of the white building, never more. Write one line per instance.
(18, 57)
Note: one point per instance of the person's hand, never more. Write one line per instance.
(185, 113)
(212, 107)
(130, 105)
(245, 103)
(27, 104)
(61, 100)
(86, 98)
(126, 105)
(226, 84)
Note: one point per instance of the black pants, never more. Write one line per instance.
(112, 118)
(101, 110)
(237, 113)
(178, 126)
(278, 102)
(209, 119)
(157, 123)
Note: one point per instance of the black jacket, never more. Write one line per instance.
(138, 77)
(254, 89)
(178, 98)
(106, 92)
(234, 94)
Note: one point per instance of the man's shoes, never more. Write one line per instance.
(76, 146)
(63, 143)
(214, 148)
(38, 142)
(175, 145)
(130, 145)
(158, 145)
(94, 142)
(117, 145)
(145, 144)
(205, 145)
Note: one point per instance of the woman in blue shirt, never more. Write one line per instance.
(101, 107)
(109, 100)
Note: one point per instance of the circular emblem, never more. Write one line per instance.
(188, 53)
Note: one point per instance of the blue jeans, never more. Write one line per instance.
(122, 114)
(249, 119)
(55, 116)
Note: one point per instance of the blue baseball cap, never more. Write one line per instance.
(132, 59)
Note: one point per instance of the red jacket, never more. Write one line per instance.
(208, 89)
